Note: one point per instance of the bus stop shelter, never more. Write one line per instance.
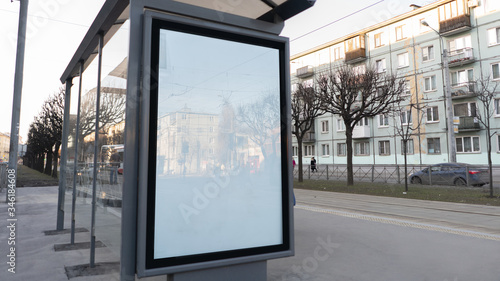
(176, 151)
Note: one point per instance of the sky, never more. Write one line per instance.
(56, 28)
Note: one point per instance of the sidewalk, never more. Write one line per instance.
(35, 256)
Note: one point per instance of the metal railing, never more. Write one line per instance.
(384, 174)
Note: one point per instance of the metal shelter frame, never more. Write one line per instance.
(113, 14)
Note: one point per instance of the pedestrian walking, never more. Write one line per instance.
(313, 165)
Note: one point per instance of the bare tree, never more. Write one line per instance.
(111, 111)
(305, 108)
(406, 125)
(53, 112)
(262, 118)
(485, 89)
(354, 95)
(44, 136)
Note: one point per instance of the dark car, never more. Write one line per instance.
(458, 174)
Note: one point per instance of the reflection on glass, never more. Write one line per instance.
(218, 178)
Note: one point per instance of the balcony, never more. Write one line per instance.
(305, 71)
(355, 56)
(461, 57)
(463, 90)
(454, 25)
(361, 132)
(468, 123)
(309, 137)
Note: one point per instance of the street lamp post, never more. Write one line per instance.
(18, 84)
(452, 149)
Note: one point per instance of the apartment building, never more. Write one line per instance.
(411, 46)
(4, 147)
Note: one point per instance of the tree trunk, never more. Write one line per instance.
(405, 144)
(350, 173)
(490, 164)
(40, 160)
(55, 160)
(299, 143)
(48, 164)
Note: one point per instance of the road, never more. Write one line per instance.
(358, 237)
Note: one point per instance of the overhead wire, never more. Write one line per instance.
(337, 20)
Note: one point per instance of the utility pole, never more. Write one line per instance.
(452, 149)
(18, 85)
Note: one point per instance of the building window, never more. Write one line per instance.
(363, 122)
(383, 120)
(432, 114)
(384, 148)
(378, 39)
(406, 90)
(495, 71)
(355, 43)
(403, 60)
(451, 10)
(309, 150)
(341, 149)
(409, 147)
(324, 126)
(295, 151)
(400, 32)
(497, 107)
(338, 53)
(491, 5)
(361, 148)
(433, 146)
(325, 149)
(468, 144)
(462, 77)
(360, 69)
(494, 36)
(406, 117)
(380, 64)
(498, 143)
(458, 45)
(465, 109)
(309, 83)
(428, 53)
(430, 83)
(340, 125)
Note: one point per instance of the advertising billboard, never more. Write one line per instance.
(217, 169)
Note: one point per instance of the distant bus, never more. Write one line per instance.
(108, 150)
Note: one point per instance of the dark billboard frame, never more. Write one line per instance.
(148, 265)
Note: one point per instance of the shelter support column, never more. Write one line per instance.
(64, 155)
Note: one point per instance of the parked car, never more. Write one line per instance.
(452, 174)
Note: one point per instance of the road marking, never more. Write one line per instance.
(431, 227)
